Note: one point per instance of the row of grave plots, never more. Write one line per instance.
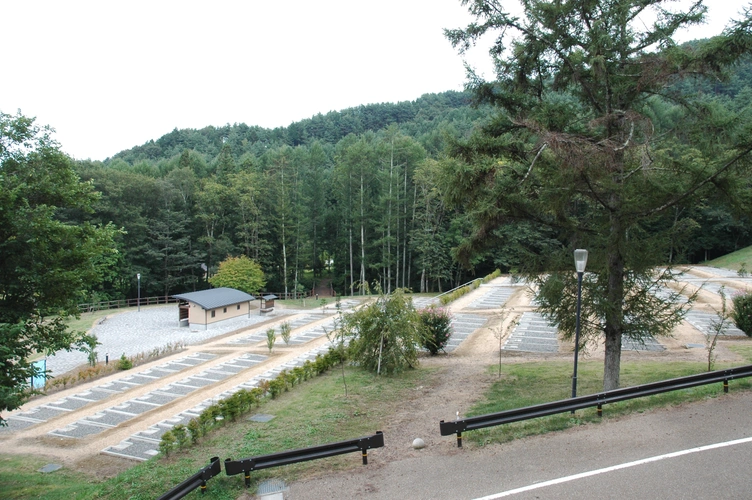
(532, 334)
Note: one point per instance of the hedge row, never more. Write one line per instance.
(243, 401)
(451, 297)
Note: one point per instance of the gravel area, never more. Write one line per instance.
(136, 332)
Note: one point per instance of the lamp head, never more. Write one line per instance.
(138, 276)
(580, 260)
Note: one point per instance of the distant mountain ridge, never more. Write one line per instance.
(413, 117)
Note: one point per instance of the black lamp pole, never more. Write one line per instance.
(580, 260)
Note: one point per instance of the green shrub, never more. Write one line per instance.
(167, 443)
(384, 336)
(285, 330)
(181, 435)
(270, 339)
(194, 429)
(742, 314)
(257, 394)
(437, 324)
(276, 387)
(125, 363)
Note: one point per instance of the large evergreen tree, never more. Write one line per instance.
(577, 147)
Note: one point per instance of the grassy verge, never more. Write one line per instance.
(734, 260)
(313, 413)
(528, 384)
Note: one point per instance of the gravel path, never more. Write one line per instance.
(136, 332)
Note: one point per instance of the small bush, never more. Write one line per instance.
(742, 314)
(270, 339)
(285, 330)
(167, 444)
(194, 429)
(437, 324)
(181, 435)
(124, 363)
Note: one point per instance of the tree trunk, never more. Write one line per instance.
(352, 272)
(615, 313)
(362, 238)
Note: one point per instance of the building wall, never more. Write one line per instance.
(198, 316)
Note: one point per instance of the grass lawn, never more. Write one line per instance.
(527, 384)
(734, 260)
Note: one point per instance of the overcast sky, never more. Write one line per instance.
(110, 75)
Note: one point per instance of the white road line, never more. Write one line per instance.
(613, 468)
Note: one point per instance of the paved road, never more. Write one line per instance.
(624, 459)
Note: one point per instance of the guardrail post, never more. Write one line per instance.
(459, 439)
(725, 385)
(600, 410)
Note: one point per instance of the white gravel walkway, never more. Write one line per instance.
(136, 332)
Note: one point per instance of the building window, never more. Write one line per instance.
(225, 310)
(238, 307)
(213, 313)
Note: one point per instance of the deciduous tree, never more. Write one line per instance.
(240, 273)
(47, 262)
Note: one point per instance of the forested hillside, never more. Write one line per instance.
(355, 193)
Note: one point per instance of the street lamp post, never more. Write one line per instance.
(580, 260)
(138, 277)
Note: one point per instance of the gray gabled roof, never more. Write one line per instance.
(216, 297)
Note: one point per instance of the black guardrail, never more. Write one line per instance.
(198, 480)
(598, 400)
(247, 465)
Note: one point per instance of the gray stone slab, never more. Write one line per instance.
(134, 407)
(154, 372)
(134, 449)
(139, 379)
(98, 394)
(70, 403)
(158, 398)
(704, 323)
(110, 417)
(117, 386)
(16, 424)
(198, 381)
(44, 413)
(153, 433)
(79, 429)
(50, 468)
(649, 344)
(261, 417)
(533, 334)
(211, 374)
(177, 389)
(230, 368)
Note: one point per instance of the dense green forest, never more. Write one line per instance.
(355, 195)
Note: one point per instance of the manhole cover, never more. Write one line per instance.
(50, 468)
(261, 417)
(271, 486)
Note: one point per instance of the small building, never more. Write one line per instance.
(267, 303)
(210, 306)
